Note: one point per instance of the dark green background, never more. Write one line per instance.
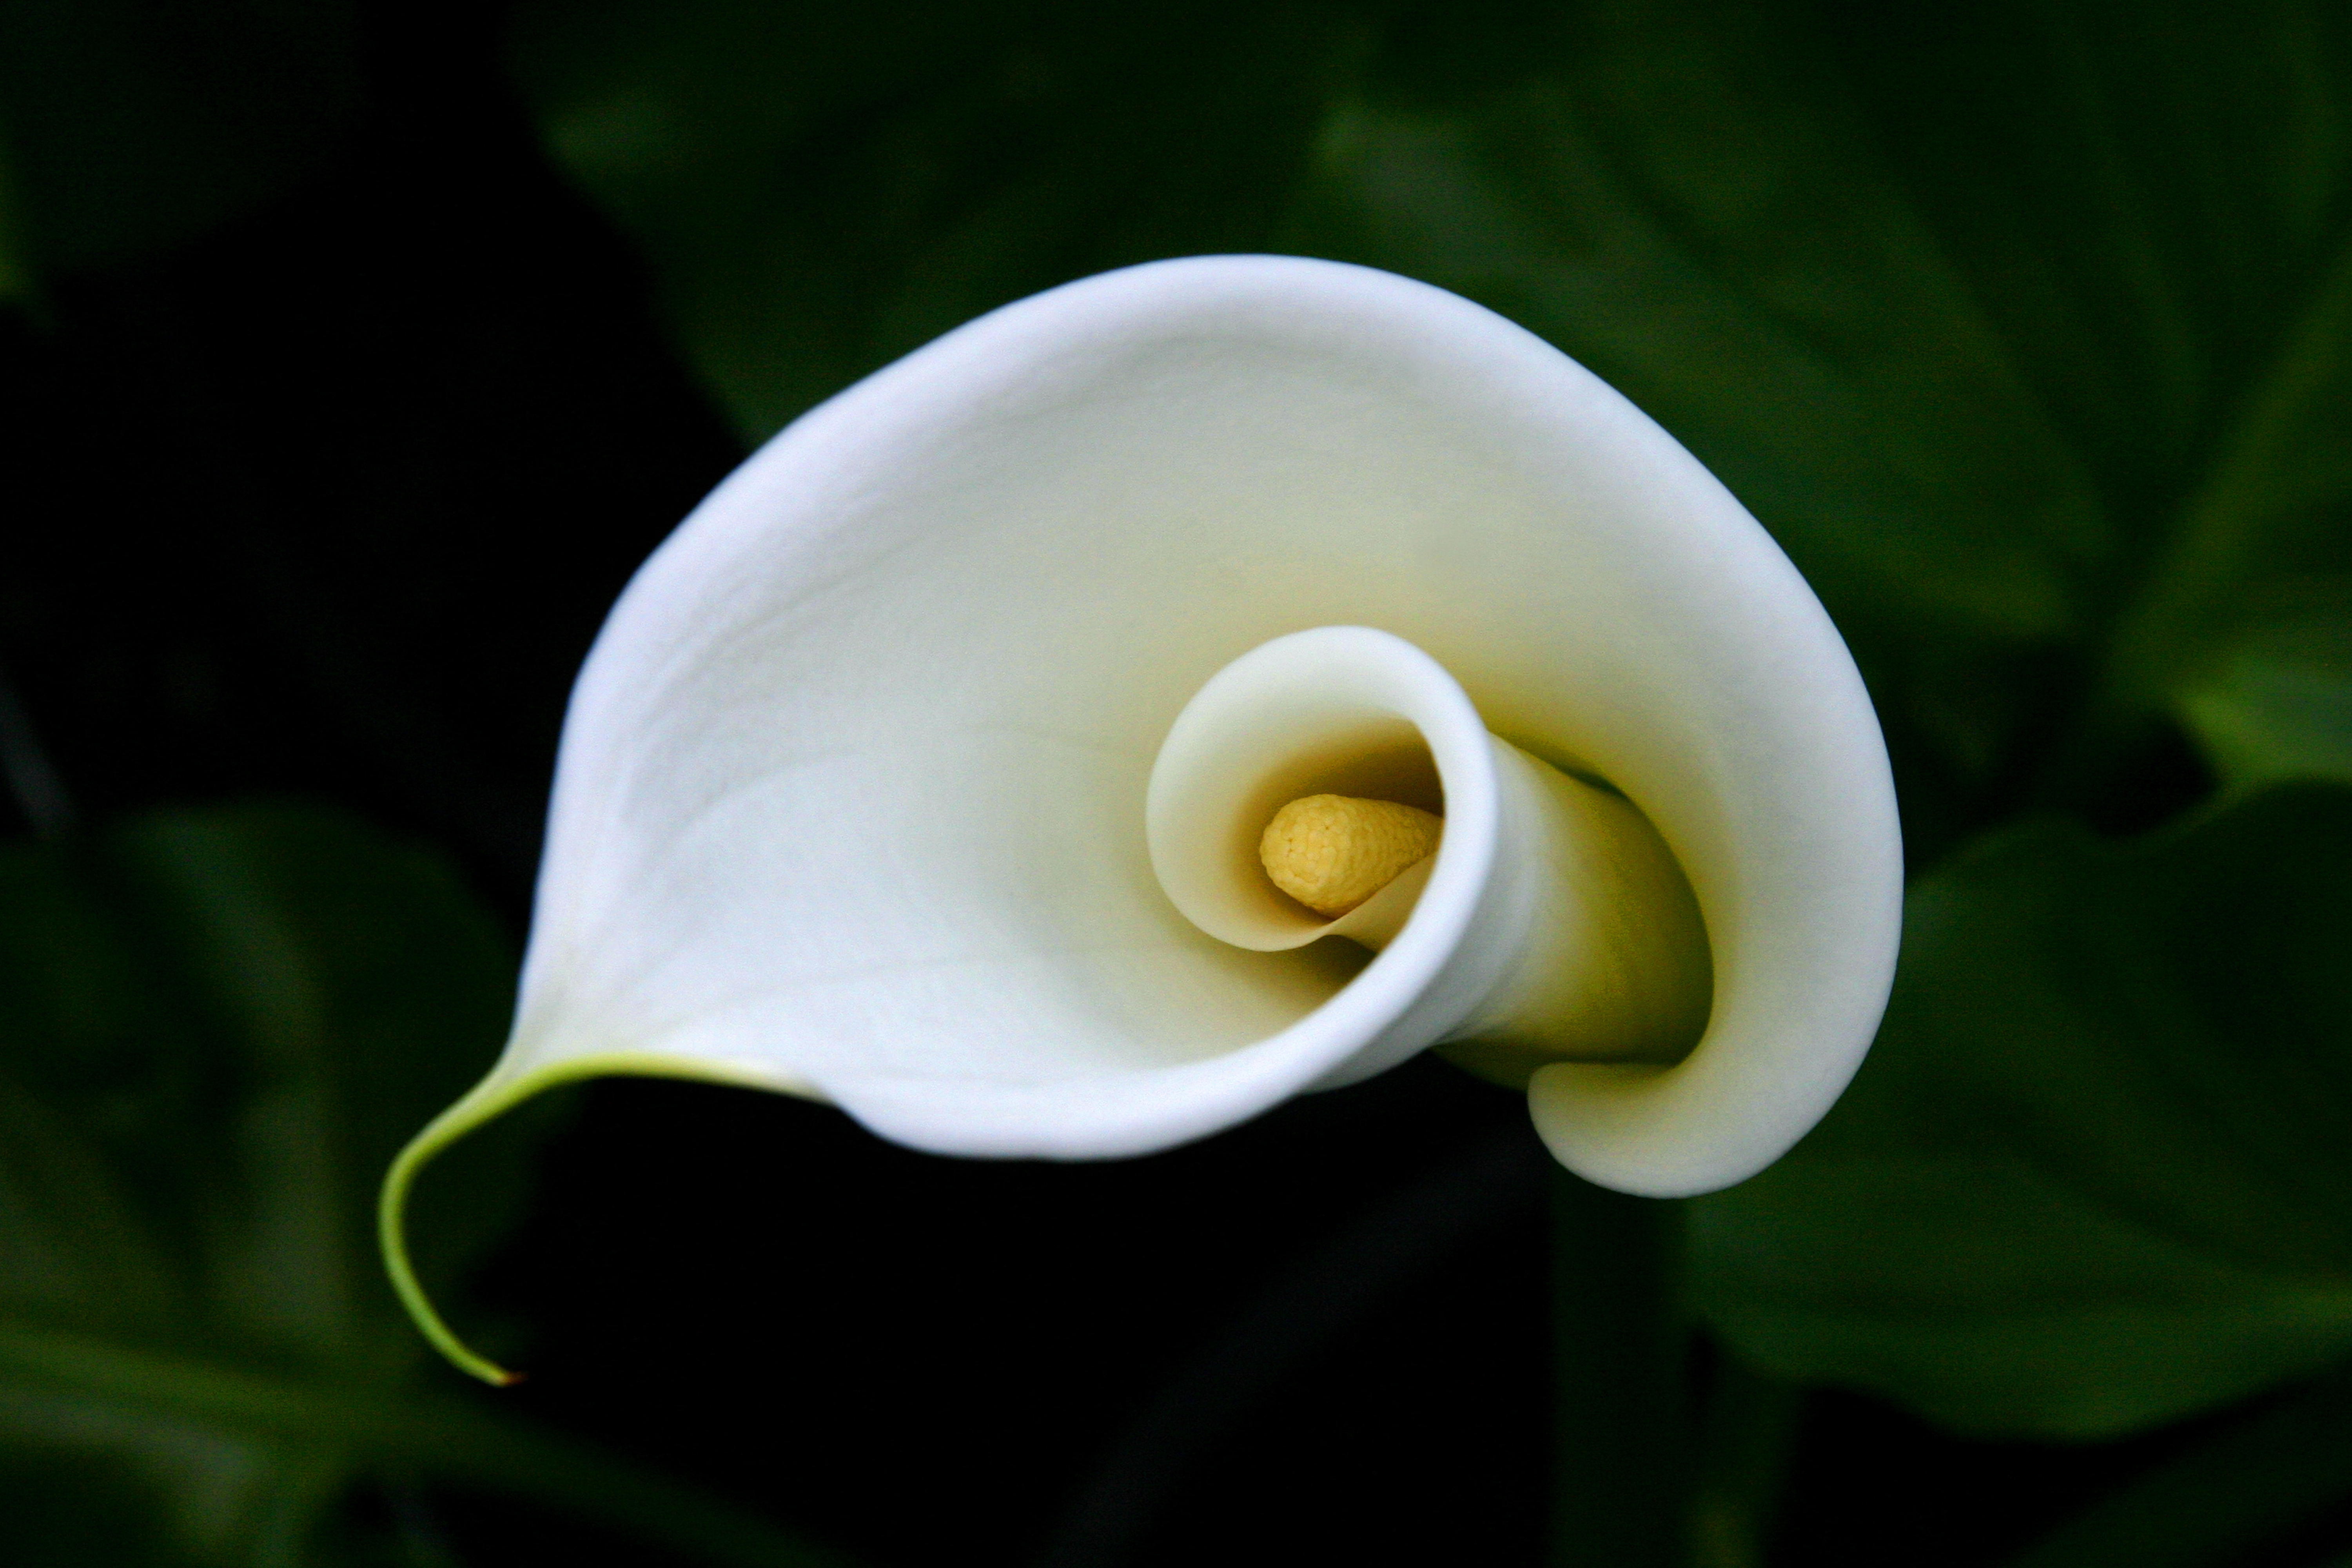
(353, 355)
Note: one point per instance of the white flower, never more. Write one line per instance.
(851, 800)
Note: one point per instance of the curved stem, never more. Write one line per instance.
(487, 1100)
(1748, 1435)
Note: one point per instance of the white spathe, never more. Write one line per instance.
(851, 794)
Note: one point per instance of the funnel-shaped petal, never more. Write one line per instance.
(1551, 923)
(852, 793)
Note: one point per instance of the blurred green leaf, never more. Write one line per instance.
(216, 1029)
(2226, 1499)
(131, 125)
(16, 284)
(822, 188)
(2151, 203)
(1685, 197)
(2097, 1171)
(2025, 328)
(2276, 703)
(1994, 1298)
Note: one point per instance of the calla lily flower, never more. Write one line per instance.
(896, 777)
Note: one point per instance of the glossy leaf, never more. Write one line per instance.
(2094, 1174)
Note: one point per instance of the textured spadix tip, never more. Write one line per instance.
(1332, 852)
(850, 791)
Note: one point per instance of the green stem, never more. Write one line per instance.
(1748, 1438)
(488, 1099)
(1620, 1462)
